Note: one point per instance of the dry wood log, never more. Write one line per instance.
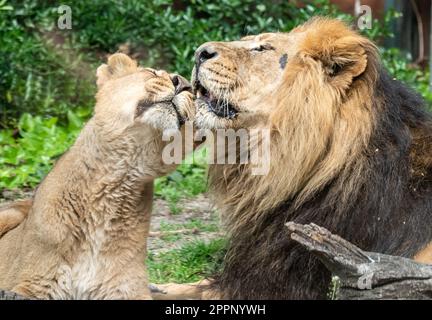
(365, 275)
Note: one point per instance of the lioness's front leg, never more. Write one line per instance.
(130, 284)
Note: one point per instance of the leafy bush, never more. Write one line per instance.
(399, 66)
(26, 160)
(167, 32)
(35, 75)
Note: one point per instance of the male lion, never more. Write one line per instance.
(351, 150)
(85, 234)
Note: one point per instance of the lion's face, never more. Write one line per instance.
(133, 97)
(235, 81)
(241, 83)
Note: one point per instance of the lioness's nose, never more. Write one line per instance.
(180, 84)
(205, 52)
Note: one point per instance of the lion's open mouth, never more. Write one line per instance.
(218, 106)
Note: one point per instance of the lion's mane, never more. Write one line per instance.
(356, 161)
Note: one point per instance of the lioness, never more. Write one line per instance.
(85, 234)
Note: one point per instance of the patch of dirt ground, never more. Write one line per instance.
(198, 210)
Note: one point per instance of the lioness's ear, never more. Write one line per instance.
(121, 65)
(118, 66)
(102, 75)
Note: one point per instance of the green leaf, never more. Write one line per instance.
(74, 121)
(26, 123)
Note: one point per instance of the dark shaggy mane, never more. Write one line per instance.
(389, 209)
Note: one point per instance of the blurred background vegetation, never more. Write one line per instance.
(47, 81)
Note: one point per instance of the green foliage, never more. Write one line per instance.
(399, 66)
(25, 160)
(167, 34)
(381, 28)
(192, 262)
(38, 74)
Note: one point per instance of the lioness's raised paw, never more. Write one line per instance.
(169, 103)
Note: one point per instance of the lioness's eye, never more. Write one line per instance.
(142, 106)
(262, 47)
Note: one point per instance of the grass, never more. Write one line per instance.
(192, 257)
(334, 288)
(192, 262)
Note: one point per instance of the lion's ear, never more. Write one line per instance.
(344, 60)
(118, 66)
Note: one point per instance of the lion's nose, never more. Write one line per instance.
(205, 53)
(180, 84)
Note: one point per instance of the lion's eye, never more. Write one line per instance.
(262, 47)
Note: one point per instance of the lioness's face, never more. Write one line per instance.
(132, 97)
(233, 79)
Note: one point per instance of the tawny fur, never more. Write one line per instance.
(12, 214)
(85, 235)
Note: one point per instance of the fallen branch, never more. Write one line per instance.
(365, 275)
